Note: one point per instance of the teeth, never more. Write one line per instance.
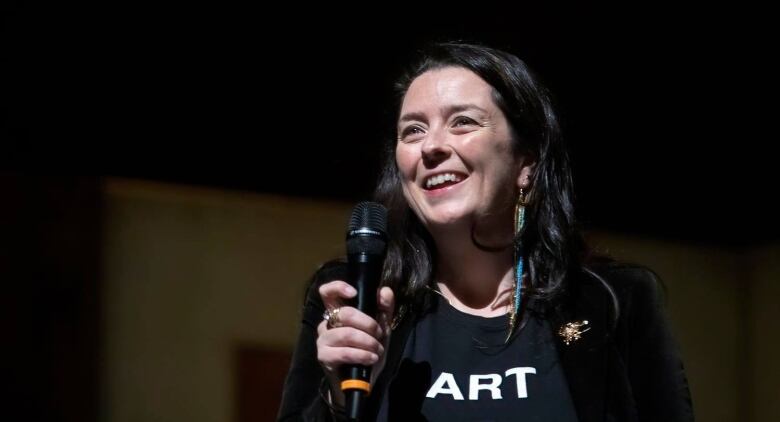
(439, 179)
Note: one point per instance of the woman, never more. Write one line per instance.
(490, 308)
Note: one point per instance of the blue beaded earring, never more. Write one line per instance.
(518, 259)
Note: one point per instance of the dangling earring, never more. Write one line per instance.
(518, 260)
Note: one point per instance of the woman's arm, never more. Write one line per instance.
(305, 396)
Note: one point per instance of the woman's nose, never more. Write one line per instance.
(435, 148)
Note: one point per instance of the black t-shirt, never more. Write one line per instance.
(456, 366)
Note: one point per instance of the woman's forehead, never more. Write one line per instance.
(448, 87)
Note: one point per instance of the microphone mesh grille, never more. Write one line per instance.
(370, 215)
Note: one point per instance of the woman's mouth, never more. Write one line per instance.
(442, 180)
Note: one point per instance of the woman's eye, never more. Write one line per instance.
(410, 133)
(463, 121)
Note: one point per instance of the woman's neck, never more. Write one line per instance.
(475, 281)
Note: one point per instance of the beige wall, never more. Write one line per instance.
(763, 317)
(190, 272)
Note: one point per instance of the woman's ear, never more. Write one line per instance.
(526, 173)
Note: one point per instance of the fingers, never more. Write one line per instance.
(358, 338)
(332, 358)
(351, 317)
(347, 345)
(350, 337)
(335, 292)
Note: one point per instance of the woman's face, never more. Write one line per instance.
(454, 151)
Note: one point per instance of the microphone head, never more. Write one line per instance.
(367, 229)
(369, 215)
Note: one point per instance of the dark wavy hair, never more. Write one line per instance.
(552, 241)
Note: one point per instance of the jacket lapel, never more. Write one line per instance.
(584, 360)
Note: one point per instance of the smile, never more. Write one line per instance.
(442, 180)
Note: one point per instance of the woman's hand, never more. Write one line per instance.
(358, 339)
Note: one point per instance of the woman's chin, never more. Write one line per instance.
(447, 220)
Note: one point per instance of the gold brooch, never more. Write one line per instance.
(572, 331)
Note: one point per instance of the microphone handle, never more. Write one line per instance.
(364, 273)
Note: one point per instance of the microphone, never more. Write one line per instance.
(366, 248)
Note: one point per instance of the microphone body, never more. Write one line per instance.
(366, 249)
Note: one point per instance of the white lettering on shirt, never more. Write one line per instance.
(446, 384)
(520, 372)
(438, 387)
(475, 386)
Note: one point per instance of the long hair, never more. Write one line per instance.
(552, 242)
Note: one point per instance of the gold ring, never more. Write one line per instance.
(332, 318)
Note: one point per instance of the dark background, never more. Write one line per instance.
(667, 111)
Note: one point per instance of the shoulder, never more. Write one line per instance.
(639, 300)
(628, 294)
(628, 282)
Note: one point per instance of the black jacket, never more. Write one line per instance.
(627, 369)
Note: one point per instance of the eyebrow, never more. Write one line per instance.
(455, 108)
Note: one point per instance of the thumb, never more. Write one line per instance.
(386, 302)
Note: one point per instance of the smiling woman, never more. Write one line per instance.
(455, 156)
(491, 308)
